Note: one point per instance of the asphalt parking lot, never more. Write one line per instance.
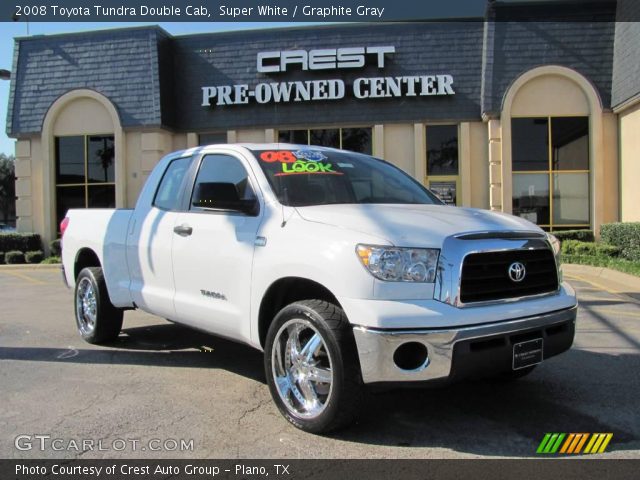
(161, 383)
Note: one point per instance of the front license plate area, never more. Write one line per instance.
(526, 354)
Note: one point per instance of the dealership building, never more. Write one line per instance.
(538, 119)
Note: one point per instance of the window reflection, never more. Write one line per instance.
(570, 198)
(530, 144)
(570, 138)
(100, 160)
(442, 150)
(85, 172)
(531, 197)
(353, 139)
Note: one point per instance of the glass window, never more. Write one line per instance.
(100, 160)
(570, 137)
(216, 176)
(169, 192)
(357, 140)
(69, 160)
(531, 197)
(328, 137)
(442, 150)
(558, 149)
(300, 137)
(354, 139)
(321, 177)
(212, 138)
(68, 198)
(570, 198)
(530, 144)
(85, 172)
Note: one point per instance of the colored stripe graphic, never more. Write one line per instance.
(572, 443)
(592, 440)
(543, 443)
(605, 442)
(581, 443)
(550, 443)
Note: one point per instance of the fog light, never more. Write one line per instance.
(411, 356)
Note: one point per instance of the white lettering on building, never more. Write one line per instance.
(327, 89)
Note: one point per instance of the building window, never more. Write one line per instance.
(550, 163)
(212, 138)
(442, 162)
(85, 173)
(353, 139)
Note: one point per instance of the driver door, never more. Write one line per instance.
(213, 249)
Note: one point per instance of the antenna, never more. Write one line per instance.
(285, 198)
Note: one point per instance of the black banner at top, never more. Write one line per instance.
(311, 10)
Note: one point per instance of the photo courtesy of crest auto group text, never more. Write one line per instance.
(249, 240)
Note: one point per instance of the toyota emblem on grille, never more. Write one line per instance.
(517, 272)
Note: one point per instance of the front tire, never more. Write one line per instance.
(98, 321)
(312, 366)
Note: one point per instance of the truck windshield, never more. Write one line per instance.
(304, 176)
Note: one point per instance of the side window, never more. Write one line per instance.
(169, 192)
(220, 179)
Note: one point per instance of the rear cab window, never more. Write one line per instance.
(170, 191)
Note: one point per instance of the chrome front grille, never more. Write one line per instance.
(485, 276)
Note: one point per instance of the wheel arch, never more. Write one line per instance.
(285, 291)
(85, 257)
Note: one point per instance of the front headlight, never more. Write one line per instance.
(395, 264)
(555, 244)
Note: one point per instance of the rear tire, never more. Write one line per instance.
(312, 367)
(98, 321)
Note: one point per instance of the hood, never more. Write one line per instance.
(414, 225)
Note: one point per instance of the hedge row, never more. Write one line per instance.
(581, 235)
(625, 236)
(17, 257)
(24, 242)
(575, 247)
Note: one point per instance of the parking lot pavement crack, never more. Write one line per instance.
(258, 392)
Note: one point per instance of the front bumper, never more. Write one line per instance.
(476, 350)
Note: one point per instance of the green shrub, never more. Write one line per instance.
(1, 258)
(625, 236)
(582, 235)
(575, 247)
(14, 257)
(56, 248)
(24, 242)
(606, 250)
(34, 257)
(569, 247)
(51, 260)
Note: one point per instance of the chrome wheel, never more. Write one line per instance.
(86, 306)
(302, 368)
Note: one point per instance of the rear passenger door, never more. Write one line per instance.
(149, 242)
(213, 248)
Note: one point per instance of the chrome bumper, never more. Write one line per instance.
(376, 348)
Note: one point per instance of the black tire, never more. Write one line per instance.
(98, 321)
(342, 401)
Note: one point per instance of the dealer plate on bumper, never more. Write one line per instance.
(526, 354)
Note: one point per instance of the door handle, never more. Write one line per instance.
(183, 230)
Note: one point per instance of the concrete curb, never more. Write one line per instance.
(622, 282)
(32, 266)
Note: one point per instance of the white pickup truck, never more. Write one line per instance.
(340, 267)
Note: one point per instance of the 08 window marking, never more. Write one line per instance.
(304, 161)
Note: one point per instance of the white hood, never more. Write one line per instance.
(414, 225)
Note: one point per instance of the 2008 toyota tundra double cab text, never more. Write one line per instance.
(340, 267)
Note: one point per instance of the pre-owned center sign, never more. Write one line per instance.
(326, 89)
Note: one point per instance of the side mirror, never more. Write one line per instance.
(223, 196)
